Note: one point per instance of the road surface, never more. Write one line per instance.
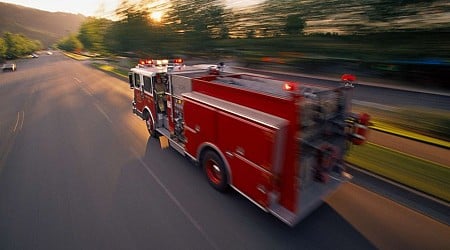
(78, 171)
(367, 93)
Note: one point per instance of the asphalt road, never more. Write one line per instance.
(378, 94)
(78, 171)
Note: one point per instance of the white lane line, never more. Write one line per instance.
(177, 202)
(82, 88)
(86, 91)
(19, 122)
(96, 105)
(78, 80)
(103, 112)
(23, 119)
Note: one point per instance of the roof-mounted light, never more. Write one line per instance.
(289, 86)
(159, 62)
(176, 60)
(348, 80)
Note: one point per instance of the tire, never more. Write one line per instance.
(150, 125)
(215, 171)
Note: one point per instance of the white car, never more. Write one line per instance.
(9, 67)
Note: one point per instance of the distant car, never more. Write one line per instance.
(34, 55)
(9, 67)
(49, 53)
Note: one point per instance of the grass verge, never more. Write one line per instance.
(388, 128)
(75, 56)
(420, 124)
(422, 175)
(112, 69)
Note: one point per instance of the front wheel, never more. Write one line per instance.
(215, 171)
(150, 126)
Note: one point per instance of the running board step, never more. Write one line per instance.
(166, 134)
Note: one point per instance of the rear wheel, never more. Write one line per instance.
(215, 171)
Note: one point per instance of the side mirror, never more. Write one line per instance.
(130, 80)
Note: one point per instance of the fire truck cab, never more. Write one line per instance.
(280, 144)
(150, 83)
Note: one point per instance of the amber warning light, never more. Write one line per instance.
(177, 60)
(145, 61)
(160, 61)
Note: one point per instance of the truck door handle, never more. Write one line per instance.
(261, 189)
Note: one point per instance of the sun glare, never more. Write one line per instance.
(156, 16)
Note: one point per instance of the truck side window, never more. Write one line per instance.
(137, 81)
(147, 84)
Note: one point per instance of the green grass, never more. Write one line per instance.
(75, 56)
(422, 175)
(110, 68)
(388, 128)
(426, 125)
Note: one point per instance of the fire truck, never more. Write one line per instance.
(279, 143)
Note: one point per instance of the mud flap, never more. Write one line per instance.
(164, 142)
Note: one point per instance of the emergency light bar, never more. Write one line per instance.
(159, 62)
(177, 60)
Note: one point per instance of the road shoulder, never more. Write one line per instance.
(393, 226)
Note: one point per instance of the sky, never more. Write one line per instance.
(102, 8)
(84, 7)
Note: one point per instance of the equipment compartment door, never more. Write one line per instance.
(250, 149)
(199, 125)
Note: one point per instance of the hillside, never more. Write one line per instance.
(47, 27)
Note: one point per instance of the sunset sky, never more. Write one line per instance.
(84, 7)
(103, 8)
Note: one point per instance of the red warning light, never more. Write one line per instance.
(177, 60)
(289, 86)
(348, 78)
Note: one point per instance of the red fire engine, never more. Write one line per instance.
(280, 144)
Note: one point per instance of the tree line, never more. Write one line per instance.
(16, 45)
(188, 25)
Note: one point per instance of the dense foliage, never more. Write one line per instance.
(187, 25)
(92, 34)
(71, 43)
(16, 45)
(399, 39)
(3, 48)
